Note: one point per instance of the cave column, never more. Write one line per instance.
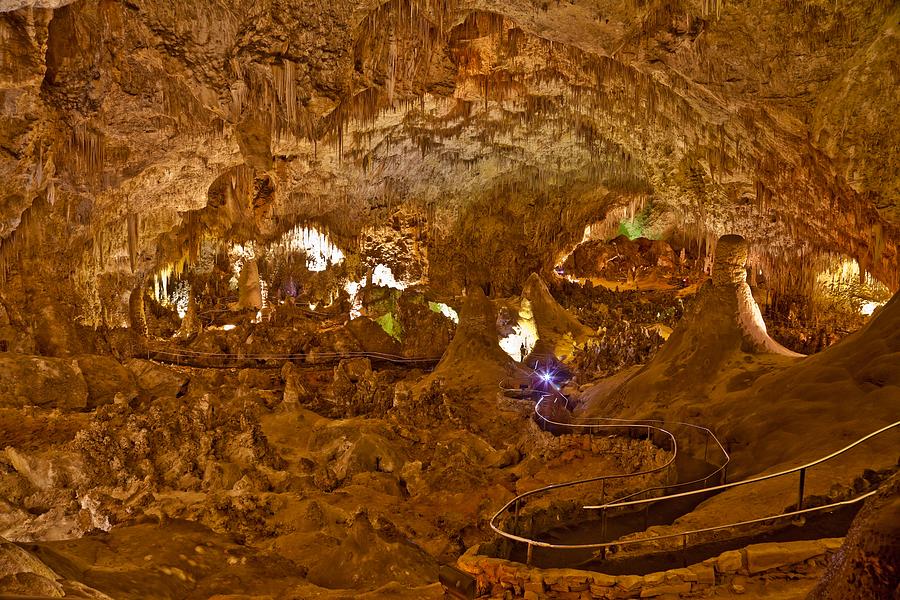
(136, 315)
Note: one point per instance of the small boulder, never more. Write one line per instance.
(42, 381)
(106, 377)
(156, 380)
(763, 557)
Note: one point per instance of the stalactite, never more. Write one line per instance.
(84, 152)
(133, 238)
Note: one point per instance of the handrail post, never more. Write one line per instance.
(528, 556)
(602, 490)
(603, 523)
(516, 518)
(802, 485)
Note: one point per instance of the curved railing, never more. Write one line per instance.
(594, 426)
(801, 469)
(629, 503)
(683, 536)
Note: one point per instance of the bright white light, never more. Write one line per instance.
(229, 327)
(320, 252)
(522, 336)
(161, 284)
(312, 306)
(546, 377)
(176, 297)
(353, 288)
(264, 293)
(238, 254)
(869, 307)
(384, 277)
(444, 310)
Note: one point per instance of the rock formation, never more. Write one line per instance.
(866, 566)
(234, 238)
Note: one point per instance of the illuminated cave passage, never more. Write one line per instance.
(312, 300)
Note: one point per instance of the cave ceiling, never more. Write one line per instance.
(510, 124)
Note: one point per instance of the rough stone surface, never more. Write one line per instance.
(41, 381)
(788, 560)
(677, 589)
(105, 378)
(865, 566)
(763, 557)
(156, 380)
(705, 574)
(730, 562)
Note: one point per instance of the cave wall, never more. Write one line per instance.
(508, 127)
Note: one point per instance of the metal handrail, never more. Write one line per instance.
(793, 513)
(597, 424)
(683, 534)
(725, 486)
(601, 422)
(291, 356)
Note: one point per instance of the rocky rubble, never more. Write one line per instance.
(623, 260)
(734, 569)
(614, 348)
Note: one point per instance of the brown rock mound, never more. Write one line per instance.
(557, 329)
(474, 353)
(368, 558)
(868, 564)
(41, 381)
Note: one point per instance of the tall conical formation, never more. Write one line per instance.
(730, 271)
(724, 318)
(558, 331)
(721, 326)
(474, 352)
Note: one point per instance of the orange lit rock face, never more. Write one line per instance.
(545, 116)
(160, 158)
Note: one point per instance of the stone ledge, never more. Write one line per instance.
(499, 574)
(765, 557)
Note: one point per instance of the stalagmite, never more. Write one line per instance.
(249, 292)
(136, 315)
(308, 192)
(729, 272)
(190, 324)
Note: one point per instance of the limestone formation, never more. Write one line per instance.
(305, 299)
(866, 565)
